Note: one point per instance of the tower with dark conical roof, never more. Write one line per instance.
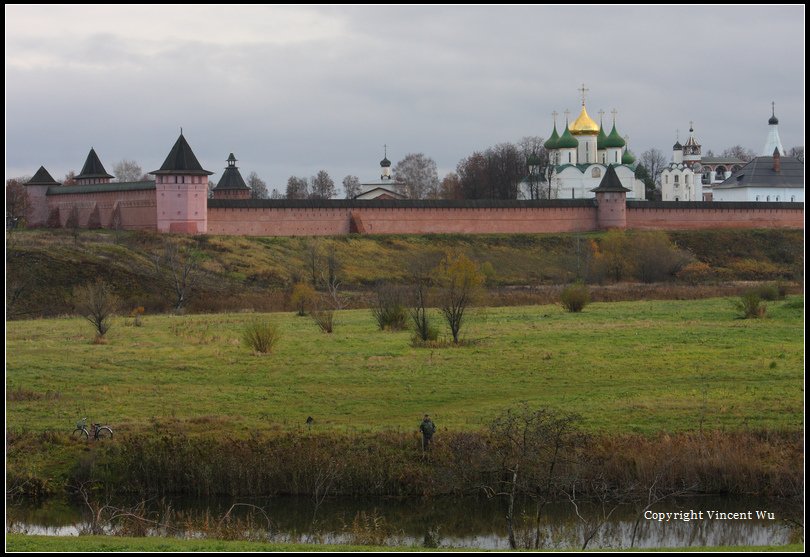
(231, 185)
(93, 171)
(181, 186)
(37, 190)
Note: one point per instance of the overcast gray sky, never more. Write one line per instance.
(292, 90)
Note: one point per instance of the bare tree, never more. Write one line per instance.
(96, 303)
(17, 202)
(297, 188)
(351, 186)
(460, 280)
(531, 447)
(176, 270)
(654, 163)
(70, 179)
(797, 152)
(323, 187)
(739, 152)
(129, 171)
(258, 187)
(416, 176)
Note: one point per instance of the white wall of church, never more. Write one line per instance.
(759, 194)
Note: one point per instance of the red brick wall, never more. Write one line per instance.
(716, 215)
(138, 210)
(399, 220)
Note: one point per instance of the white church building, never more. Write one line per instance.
(581, 155)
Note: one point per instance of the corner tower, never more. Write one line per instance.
(181, 186)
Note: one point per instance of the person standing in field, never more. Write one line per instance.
(428, 428)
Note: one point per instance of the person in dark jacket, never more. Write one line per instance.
(428, 428)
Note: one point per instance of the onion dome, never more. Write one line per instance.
(567, 141)
(601, 138)
(552, 142)
(627, 157)
(385, 163)
(773, 120)
(584, 125)
(614, 139)
(677, 146)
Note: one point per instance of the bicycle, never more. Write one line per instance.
(98, 431)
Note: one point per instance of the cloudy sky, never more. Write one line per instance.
(292, 90)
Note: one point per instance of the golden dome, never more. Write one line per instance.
(583, 125)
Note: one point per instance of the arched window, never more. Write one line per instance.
(792, 198)
(596, 172)
(777, 198)
(768, 198)
(757, 199)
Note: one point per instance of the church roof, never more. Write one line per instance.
(181, 160)
(610, 182)
(567, 141)
(601, 138)
(93, 168)
(759, 173)
(614, 140)
(691, 142)
(553, 141)
(385, 163)
(584, 124)
(627, 157)
(42, 178)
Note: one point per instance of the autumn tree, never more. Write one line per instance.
(351, 186)
(258, 187)
(451, 187)
(297, 188)
(17, 202)
(538, 167)
(97, 303)
(323, 187)
(495, 173)
(459, 280)
(129, 171)
(416, 176)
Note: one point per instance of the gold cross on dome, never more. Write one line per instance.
(583, 90)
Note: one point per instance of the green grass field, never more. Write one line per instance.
(625, 366)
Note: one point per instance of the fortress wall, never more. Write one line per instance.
(138, 207)
(266, 221)
(653, 216)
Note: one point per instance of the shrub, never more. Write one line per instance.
(575, 297)
(96, 303)
(303, 296)
(751, 305)
(390, 312)
(261, 337)
(695, 272)
(425, 335)
(324, 319)
(768, 292)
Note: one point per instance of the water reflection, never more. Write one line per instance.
(467, 522)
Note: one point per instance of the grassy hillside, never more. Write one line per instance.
(256, 273)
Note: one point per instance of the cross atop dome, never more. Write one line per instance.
(583, 90)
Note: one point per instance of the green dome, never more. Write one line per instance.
(567, 141)
(552, 142)
(600, 139)
(614, 139)
(628, 158)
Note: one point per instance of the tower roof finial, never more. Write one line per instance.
(583, 90)
(773, 120)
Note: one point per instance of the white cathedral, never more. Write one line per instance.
(581, 155)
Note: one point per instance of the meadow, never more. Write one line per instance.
(627, 367)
